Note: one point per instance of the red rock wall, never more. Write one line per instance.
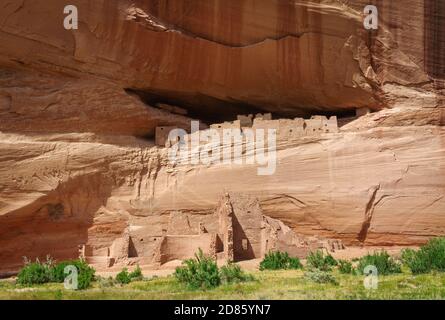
(275, 55)
(68, 127)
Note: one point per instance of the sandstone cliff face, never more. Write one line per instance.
(77, 110)
(276, 55)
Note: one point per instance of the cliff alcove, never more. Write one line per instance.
(74, 105)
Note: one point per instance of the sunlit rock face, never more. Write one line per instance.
(287, 57)
(79, 108)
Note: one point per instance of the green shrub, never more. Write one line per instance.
(345, 267)
(321, 261)
(34, 273)
(39, 273)
(435, 250)
(85, 273)
(136, 275)
(123, 277)
(58, 271)
(382, 261)
(318, 276)
(429, 257)
(277, 260)
(409, 257)
(199, 273)
(294, 263)
(232, 273)
(330, 260)
(417, 261)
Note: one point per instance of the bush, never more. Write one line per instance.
(321, 261)
(329, 260)
(279, 260)
(86, 275)
(34, 273)
(123, 277)
(382, 261)
(417, 261)
(84, 271)
(319, 276)
(199, 273)
(345, 267)
(40, 273)
(136, 275)
(232, 273)
(58, 271)
(429, 257)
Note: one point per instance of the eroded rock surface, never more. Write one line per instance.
(79, 108)
(289, 57)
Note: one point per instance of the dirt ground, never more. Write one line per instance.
(248, 265)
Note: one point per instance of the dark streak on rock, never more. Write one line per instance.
(434, 38)
(368, 215)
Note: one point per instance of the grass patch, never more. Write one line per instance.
(275, 284)
(319, 276)
(234, 284)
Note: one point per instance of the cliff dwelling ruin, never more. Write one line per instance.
(286, 129)
(237, 230)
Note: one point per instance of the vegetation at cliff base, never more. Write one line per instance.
(232, 273)
(415, 274)
(277, 260)
(202, 272)
(428, 258)
(268, 284)
(320, 260)
(382, 261)
(34, 273)
(125, 277)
